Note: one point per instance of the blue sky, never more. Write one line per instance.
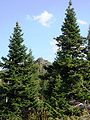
(40, 21)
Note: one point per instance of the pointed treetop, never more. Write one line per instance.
(70, 3)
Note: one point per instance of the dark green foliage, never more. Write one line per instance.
(69, 56)
(39, 90)
(70, 72)
(19, 76)
(70, 41)
(70, 61)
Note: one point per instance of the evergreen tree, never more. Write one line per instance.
(19, 76)
(70, 41)
(69, 56)
(68, 64)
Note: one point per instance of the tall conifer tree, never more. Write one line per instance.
(69, 55)
(20, 89)
(70, 41)
(68, 65)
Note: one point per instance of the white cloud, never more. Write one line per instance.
(44, 18)
(82, 22)
(53, 45)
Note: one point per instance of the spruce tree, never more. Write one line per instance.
(69, 55)
(70, 41)
(19, 76)
(68, 64)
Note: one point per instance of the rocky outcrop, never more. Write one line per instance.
(42, 63)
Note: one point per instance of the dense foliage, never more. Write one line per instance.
(19, 90)
(31, 90)
(69, 75)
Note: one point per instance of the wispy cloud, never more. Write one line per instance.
(53, 45)
(44, 18)
(82, 22)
